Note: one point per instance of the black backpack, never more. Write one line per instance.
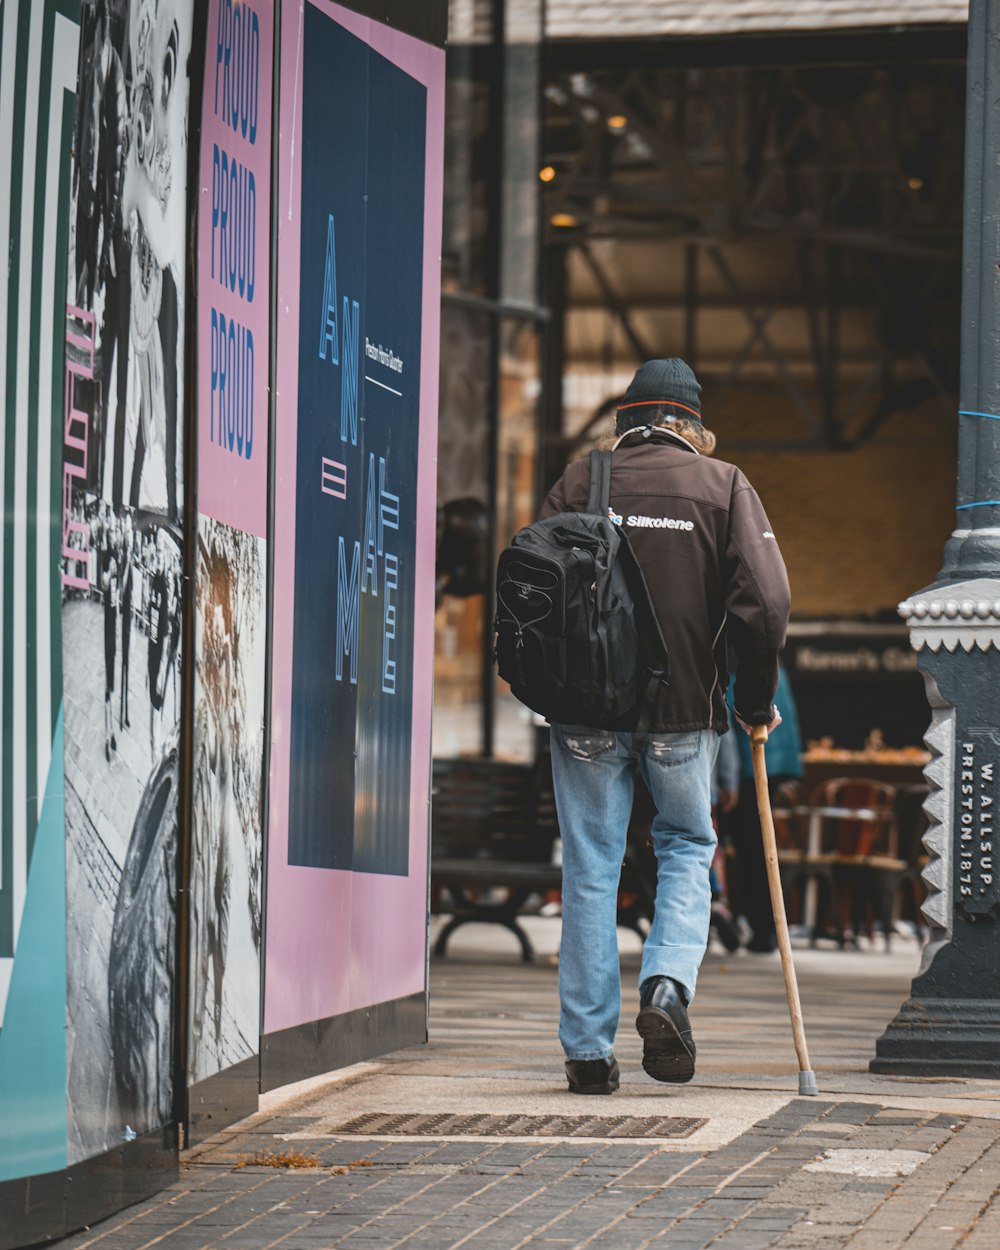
(576, 635)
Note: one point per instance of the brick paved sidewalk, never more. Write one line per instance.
(872, 1164)
(812, 1176)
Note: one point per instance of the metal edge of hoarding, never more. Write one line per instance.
(36, 1209)
(272, 418)
(320, 1046)
(185, 801)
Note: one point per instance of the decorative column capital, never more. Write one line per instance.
(953, 615)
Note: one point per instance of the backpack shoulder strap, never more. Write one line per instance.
(599, 500)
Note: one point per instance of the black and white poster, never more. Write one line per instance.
(227, 821)
(123, 564)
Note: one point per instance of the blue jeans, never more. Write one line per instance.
(593, 774)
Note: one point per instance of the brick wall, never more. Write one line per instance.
(859, 530)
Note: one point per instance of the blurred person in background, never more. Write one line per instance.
(740, 822)
(725, 796)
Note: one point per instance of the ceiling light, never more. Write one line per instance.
(617, 123)
(563, 220)
(547, 173)
(915, 184)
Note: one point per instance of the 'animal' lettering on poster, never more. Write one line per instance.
(350, 338)
(363, 566)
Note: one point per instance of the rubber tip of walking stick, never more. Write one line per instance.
(807, 1084)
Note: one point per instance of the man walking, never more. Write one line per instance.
(716, 578)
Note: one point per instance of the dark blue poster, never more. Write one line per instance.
(363, 135)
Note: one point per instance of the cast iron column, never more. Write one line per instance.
(950, 1025)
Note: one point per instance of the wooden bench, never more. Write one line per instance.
(493, 829)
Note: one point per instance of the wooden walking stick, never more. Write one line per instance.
(807, 1078)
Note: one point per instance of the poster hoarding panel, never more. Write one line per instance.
(123, 565)
(347, 888)
(233, 316)
(38, 71)
(358, 426)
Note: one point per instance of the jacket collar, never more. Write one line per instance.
(656, 434)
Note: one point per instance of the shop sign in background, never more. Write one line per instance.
(359, 248)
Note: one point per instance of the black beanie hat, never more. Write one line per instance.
(659, 382)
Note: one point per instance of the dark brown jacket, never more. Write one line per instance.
(714, 571)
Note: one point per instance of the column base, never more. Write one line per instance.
(957, 1037)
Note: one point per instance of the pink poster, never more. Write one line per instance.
(359, 237)
(234, 234)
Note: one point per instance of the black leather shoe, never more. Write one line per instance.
(668, 1048)
(592, 1076)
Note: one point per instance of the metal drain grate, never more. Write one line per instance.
(413, 1124)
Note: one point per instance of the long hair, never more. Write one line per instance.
(662, 417)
